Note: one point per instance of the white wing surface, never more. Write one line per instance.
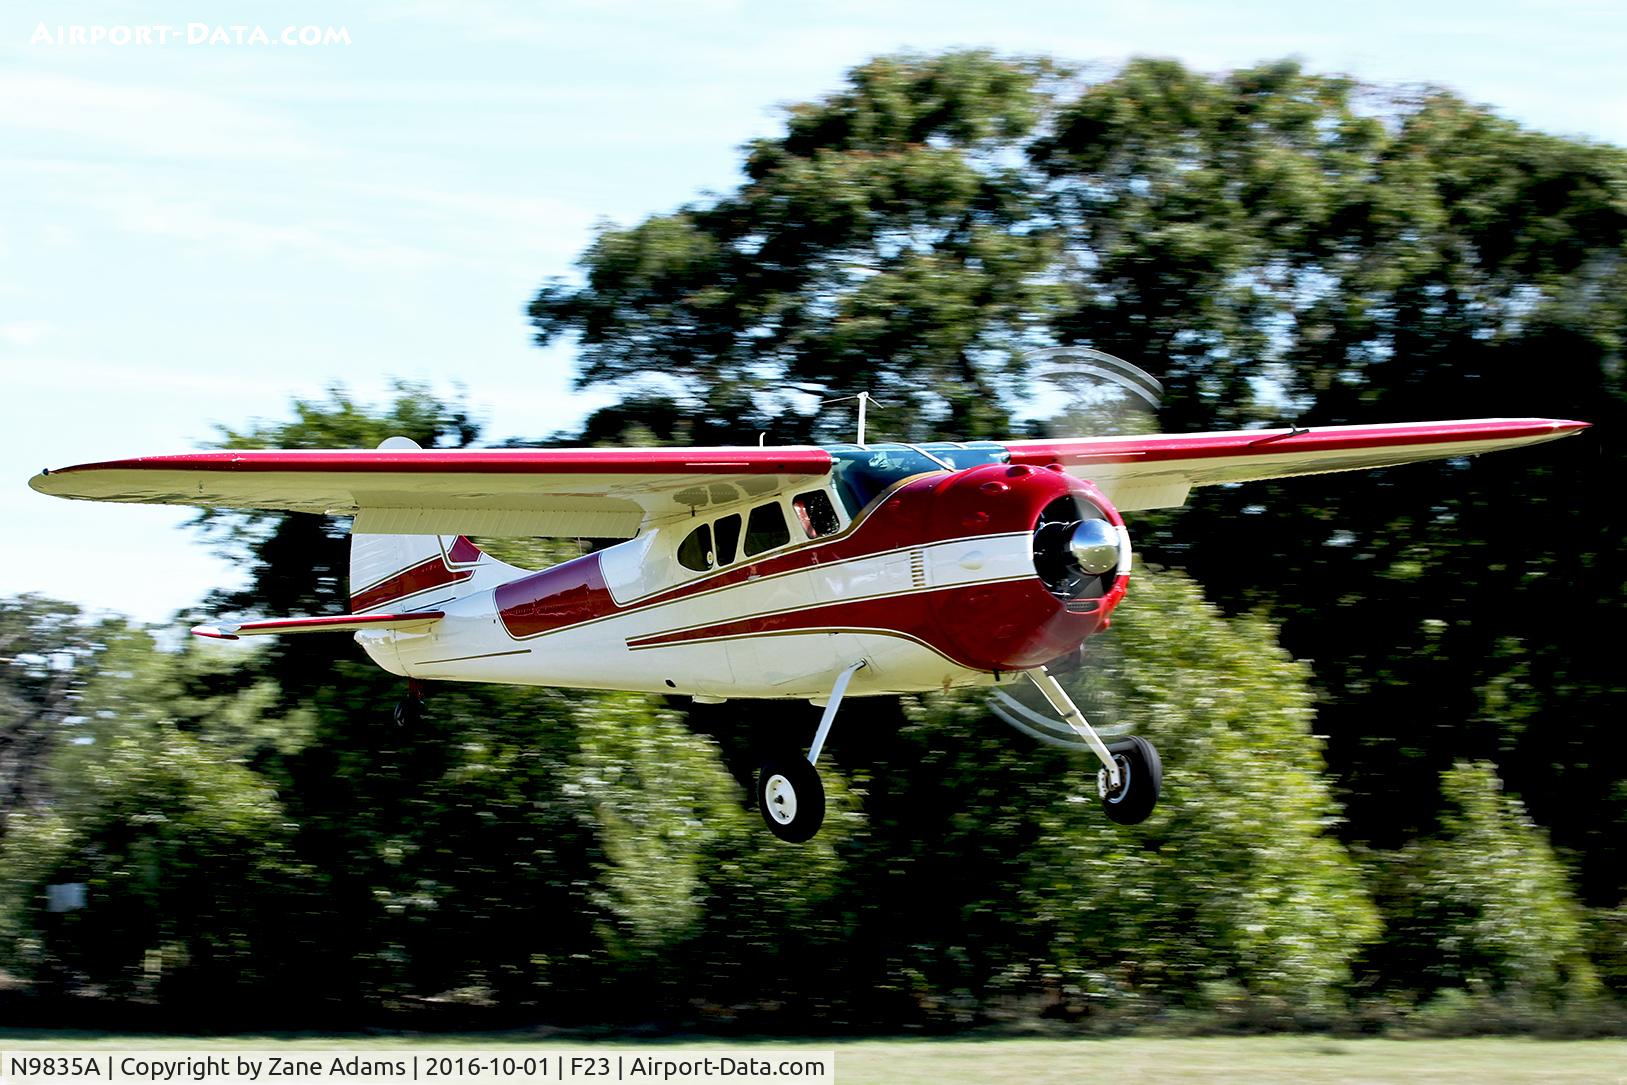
(1155, 472)
(607, 493)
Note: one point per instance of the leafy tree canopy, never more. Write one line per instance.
(1272, 244)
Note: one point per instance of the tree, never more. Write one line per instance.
(1238, 878)
(1485, 905)
(48, 652)
(882, 243)
(1290, 244)
(183, 851)
(1273, 244)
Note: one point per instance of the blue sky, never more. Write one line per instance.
(193, 234)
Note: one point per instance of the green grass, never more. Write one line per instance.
(1134, 1061)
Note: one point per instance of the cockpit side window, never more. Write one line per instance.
(766, 529)
(727, 532)
(695, 552)
(816, 513)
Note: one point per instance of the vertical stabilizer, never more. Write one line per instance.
(416, 572)
(411, 571)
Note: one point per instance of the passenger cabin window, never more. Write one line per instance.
(727, 531)
(765, 529)
(817, 514)
(695, 552)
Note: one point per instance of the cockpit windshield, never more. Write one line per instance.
(863, 472)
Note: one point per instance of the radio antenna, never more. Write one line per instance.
(865, 399)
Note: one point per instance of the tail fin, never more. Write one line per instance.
(416, 571)
(413, 570)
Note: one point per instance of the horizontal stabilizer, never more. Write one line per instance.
(337, 623)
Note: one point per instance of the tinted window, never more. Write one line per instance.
(817, 514)
(862, 474)
(695, 552)
(727, 531)
(766, 529)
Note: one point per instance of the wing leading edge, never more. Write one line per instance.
(607, 493)
(616, 493)
(1154, 472)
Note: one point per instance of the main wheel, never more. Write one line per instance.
(1141, 777)
(409, 712)
(791, 798)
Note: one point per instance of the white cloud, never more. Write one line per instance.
(494, 20)
(25, 333)
(72, 376)
(154, 122)
(201, 223)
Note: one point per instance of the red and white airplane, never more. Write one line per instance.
(791, 572)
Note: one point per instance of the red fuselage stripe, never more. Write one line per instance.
(1048, 629)
(432, 573)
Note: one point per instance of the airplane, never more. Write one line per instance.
(807, 572)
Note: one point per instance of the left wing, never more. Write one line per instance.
(1156, 472)
(599, 492)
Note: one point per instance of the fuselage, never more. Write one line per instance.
(928, 576)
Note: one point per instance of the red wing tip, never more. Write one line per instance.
(213, 633)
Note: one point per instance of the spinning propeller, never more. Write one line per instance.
(1078, 552)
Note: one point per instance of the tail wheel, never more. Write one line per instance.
(791, 798)
(1141, 778)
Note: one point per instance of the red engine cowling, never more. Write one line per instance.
(1019, 624)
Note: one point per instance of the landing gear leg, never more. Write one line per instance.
(409, 711)
(790, 796)
(1131, 775)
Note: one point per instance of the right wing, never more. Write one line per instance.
(1157, 472)
(604, 493)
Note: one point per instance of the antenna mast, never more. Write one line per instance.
(865, 399)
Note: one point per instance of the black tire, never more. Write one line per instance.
(791, 798)
(409, 713)
(1143, 775)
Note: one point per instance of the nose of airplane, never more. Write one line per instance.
(1094, 546)
(1066, 532)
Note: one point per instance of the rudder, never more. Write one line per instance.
(411, 570)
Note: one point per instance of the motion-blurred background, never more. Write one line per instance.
(1389, 704)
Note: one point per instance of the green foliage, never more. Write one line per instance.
(1607, 936)
(182, 849)
(1274, 243)
(1485, 905)
(1359, 257)
(49, 651)
(881, 243)
(1237, 878)
(698, 896)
